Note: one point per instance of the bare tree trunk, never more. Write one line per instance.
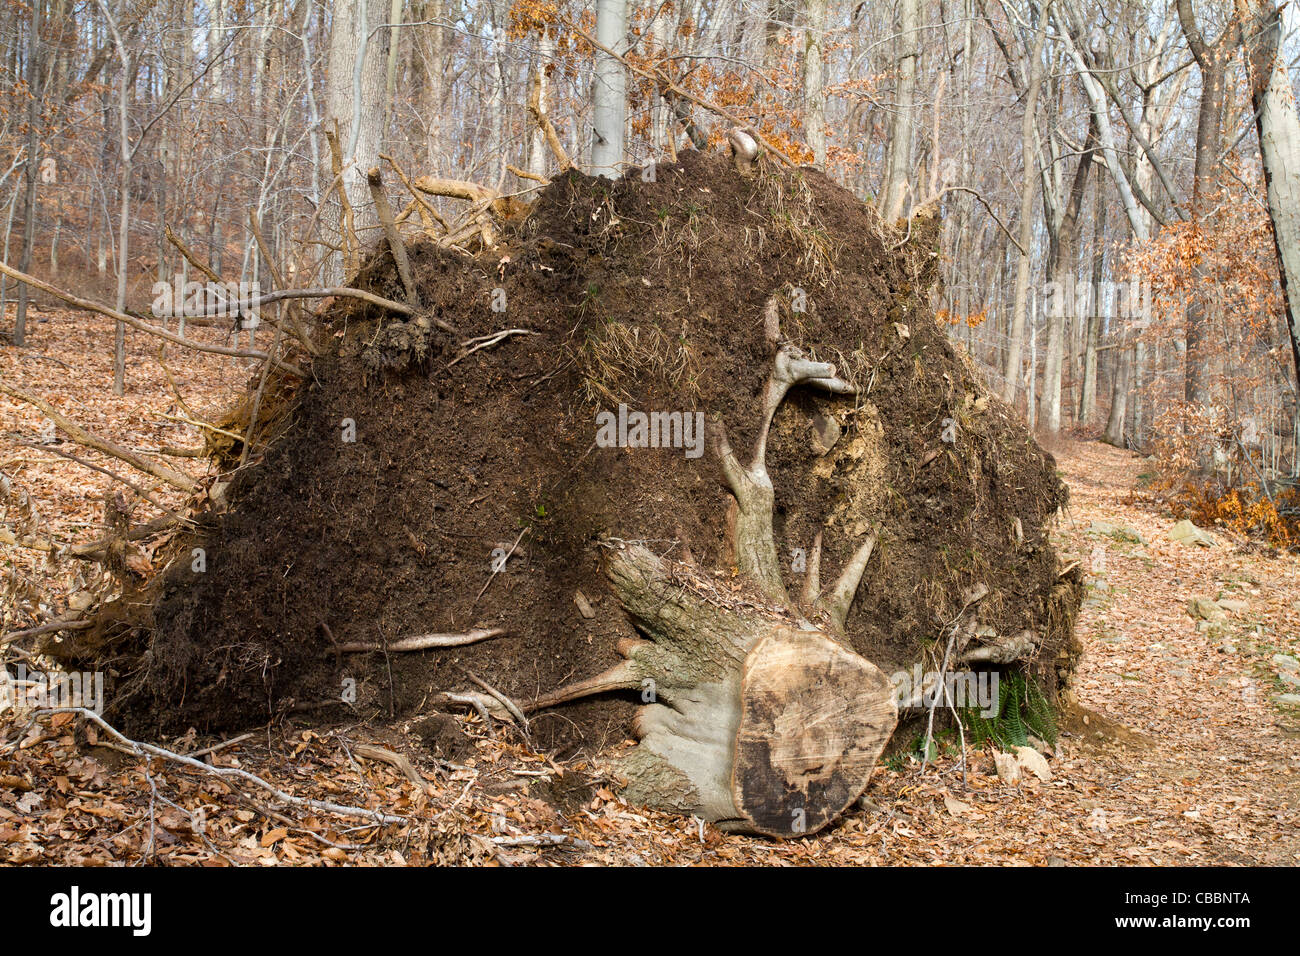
(1114, 433)
(1096, 95)
(31, 169)
(1088, 399)
(609, 90)
(1061, 264)
(390, 78)
(814, 82)
(893, 191)
(1278, 127)
(9, 231)
(355, 89)
(127, 155)
(538, 152)
(433, 83)
(1011, 373)
(1213, 59)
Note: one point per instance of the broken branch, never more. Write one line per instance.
(83, 437)
(135, 323)
(395, 244)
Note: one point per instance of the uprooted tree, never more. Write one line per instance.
(767, 721)
(413, 506)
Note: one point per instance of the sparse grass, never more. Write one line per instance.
(789, 199)
(615, 355)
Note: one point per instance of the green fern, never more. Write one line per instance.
(1022, 710)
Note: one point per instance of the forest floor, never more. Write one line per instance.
(1178, 751)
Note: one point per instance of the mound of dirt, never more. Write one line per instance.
(420, 489)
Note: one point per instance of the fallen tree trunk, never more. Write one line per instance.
(764, 700)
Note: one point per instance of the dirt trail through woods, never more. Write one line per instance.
(1185, 757)
(1206, 765)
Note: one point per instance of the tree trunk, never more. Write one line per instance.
(1011, 373)
(127, 155)
(893, 191)
(1213, 60)
(609, 91)
(31, 170)
(1088, 399)
(1114, 434)
(1096, 95)
(355, 89)
(1060, 264)
(538, 152)
(1278, 127)
(814, 81)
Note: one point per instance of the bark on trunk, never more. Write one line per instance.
(356, 60)
(814, 82)
(1278, 127)
(1088, 399)
(1060, 265)
(893, 191)
(609, 91)
(1114, 434)
(1213, 60)
(1011, 372)
(31, 170)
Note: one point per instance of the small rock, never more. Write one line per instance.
(584, 606)
(1186, 533)
(1290, 699)
(1008, 768)
(1233, 605)
(1286, 662)
(1034, 762)
(1119, 532)
(826, 431)
(1204, 609)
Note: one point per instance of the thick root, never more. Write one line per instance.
(755, 720)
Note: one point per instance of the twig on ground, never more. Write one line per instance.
(90, 440)
(221, 746)
(542, 839)
(505, 701)
(142, 749)
(393, 759)
(44, 629)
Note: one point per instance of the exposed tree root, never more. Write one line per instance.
(423, 642)
(755, 717)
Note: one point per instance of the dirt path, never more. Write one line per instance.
(1211, 770)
